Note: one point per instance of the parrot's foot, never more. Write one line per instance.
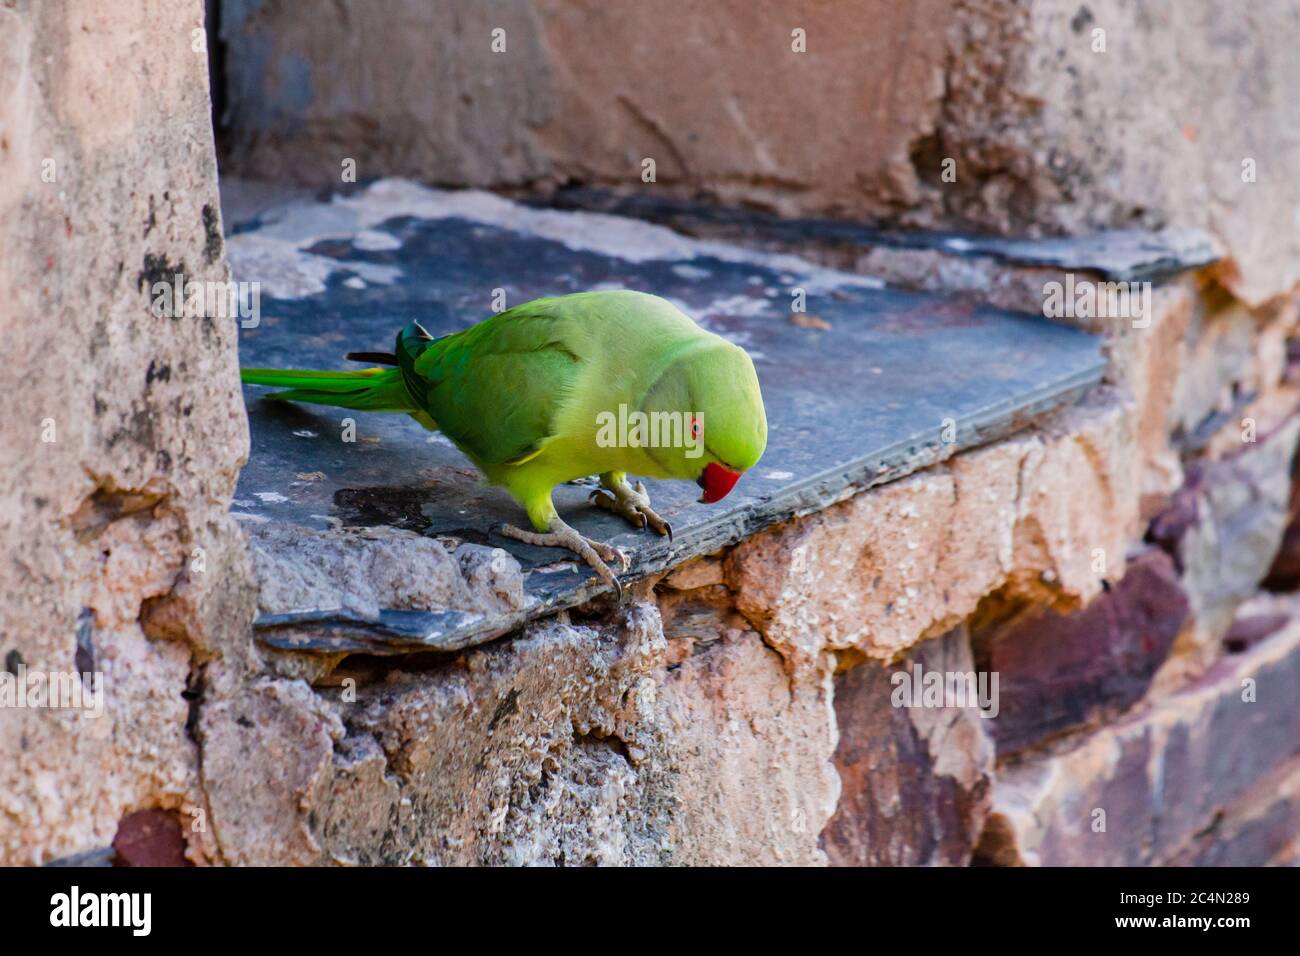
(634, 505)
(595, 553)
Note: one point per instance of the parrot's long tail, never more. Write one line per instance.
(369, 390)
(396, 389)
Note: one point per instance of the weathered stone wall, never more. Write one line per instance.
(123, 430)
(1106, 564)
(1178, 113)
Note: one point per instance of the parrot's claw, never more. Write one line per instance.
(595, 553)
(634, 505)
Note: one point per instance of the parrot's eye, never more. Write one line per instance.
(696, 428)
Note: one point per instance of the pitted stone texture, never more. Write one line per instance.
(915, 780)
(1225, 526)
(267, 747)
(1031, 108)
(911, 559)
(123, 430)
(1058, 672)
(1263, 827)
(750, 752)
(365, 570)
(566, 745)
(1160, 776)
(1284, 573)
(1230, 353)
(1148, 362)
(69, 778)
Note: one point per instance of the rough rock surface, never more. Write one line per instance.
(123, 430)
(1225, 526)
(915, 781)
(926, 549)
(364, 570)
(266, 745)
(1159, 777)
(1261, 827)
(565, 745)
(1058, 672)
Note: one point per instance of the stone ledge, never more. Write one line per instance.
(1118, 255)
(344, 273)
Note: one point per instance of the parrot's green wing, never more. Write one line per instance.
(495, 389)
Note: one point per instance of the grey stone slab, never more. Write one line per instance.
(859, 400)
(1120, 255)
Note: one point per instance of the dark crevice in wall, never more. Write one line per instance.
(216, 74)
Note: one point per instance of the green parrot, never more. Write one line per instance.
(595, 383)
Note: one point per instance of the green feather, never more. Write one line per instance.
(521, 392)
(370, 390)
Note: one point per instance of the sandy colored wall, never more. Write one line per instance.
(1050, 125)
(123, 430)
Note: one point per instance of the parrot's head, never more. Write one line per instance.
(715, 391)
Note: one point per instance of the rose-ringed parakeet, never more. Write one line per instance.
(532, 396)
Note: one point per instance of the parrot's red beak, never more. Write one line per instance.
(717, 482)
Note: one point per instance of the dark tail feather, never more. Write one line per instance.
(375, 358)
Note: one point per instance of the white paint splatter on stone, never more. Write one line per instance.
(376, 240)
(275, 252)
